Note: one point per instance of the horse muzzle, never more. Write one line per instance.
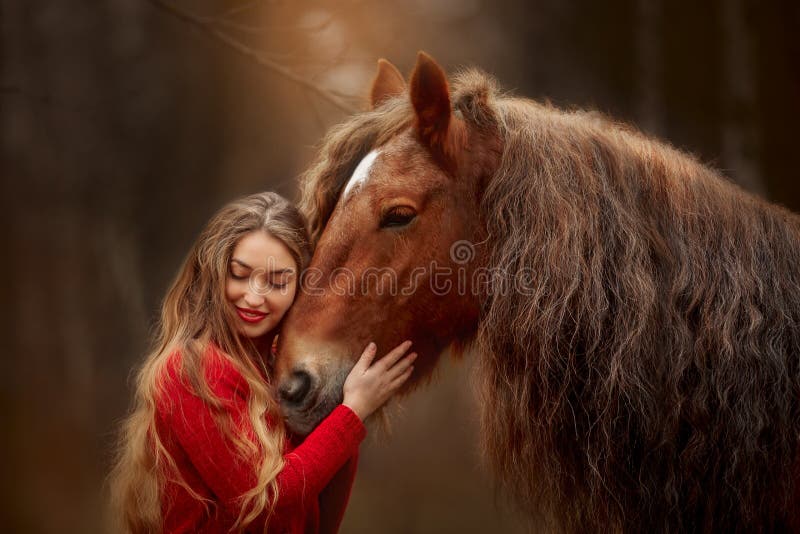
(308, 394)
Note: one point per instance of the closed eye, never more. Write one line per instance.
(397, 217)
(237, 274)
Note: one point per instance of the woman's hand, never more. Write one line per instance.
(369, 386)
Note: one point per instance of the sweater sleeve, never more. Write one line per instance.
(307, 469)
(312, 465)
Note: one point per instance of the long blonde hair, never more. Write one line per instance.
(194, 313)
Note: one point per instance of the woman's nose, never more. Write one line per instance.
(254, 300)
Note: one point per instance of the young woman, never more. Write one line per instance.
(204, 449)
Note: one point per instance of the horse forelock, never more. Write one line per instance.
(342, 149)
(348, 143)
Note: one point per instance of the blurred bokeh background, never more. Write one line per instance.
(126, 123)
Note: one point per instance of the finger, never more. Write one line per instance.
(401, 366)
(366, 358)
(390, 359)
(400, 380)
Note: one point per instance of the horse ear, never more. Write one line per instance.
(430, 95)
(388, 83)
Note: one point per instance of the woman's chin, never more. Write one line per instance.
(257, 331)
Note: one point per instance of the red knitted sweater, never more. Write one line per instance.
(314, 485)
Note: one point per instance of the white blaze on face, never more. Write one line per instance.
(361, 174)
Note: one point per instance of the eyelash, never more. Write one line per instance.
(273, 284)
(398, 217)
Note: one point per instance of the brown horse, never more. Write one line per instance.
(636, 316)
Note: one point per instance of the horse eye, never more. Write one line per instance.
(397, 217)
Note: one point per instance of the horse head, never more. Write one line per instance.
(397, 254)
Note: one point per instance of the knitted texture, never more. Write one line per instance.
(313, 487)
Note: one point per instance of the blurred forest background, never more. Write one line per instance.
(126, 123)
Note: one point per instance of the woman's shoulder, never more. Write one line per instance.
(218, 372)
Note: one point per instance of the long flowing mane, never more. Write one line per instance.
(654, 371)
(650, 380)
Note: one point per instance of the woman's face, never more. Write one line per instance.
(261, 283)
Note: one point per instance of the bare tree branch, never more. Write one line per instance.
(249, 53)
(238, 9)
(317, 114)
(260, 30)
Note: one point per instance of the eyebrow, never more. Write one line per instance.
(276, 271)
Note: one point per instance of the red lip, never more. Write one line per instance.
(255, 318)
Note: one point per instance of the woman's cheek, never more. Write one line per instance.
(284, 300)
(292, 293)
(234, 289)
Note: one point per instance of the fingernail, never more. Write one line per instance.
(372, 345)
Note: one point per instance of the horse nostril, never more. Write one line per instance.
(296, 388)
